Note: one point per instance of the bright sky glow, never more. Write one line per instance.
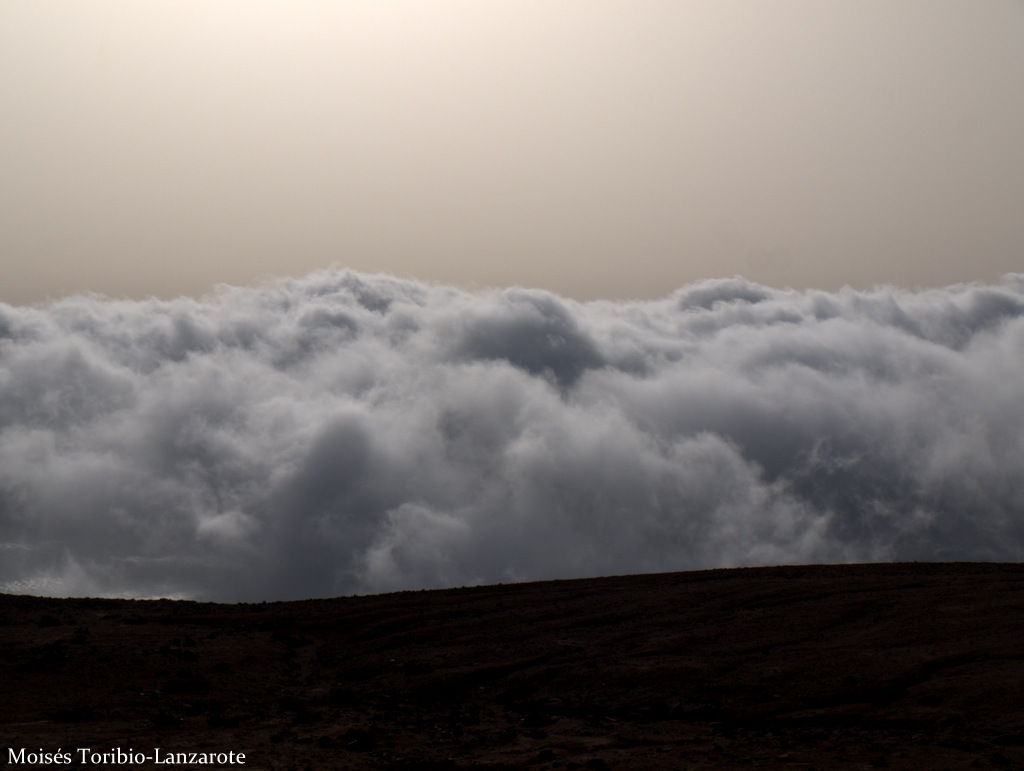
(597, 149)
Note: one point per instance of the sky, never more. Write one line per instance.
(598, 150)
(300, 299)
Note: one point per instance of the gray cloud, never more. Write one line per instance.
(350, 433)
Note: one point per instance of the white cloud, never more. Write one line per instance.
(352, 433)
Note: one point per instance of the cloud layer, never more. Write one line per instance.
(350, 433)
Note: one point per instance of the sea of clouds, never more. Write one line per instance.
(349, 433)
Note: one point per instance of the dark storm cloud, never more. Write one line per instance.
(352, 433)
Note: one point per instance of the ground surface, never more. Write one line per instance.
(887, 666)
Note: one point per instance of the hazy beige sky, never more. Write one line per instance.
(598, 149)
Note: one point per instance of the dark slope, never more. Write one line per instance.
(901, 666)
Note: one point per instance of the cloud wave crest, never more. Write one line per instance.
(347, 433)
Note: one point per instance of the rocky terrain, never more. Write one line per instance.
(903, 666)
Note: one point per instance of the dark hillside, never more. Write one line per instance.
(900, 666)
